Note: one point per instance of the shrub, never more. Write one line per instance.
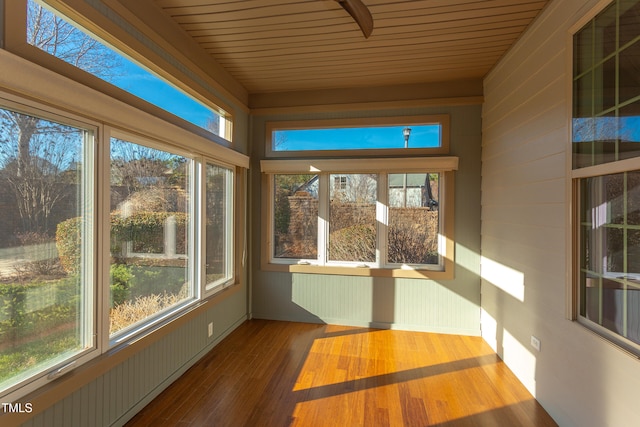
(46, 263)
(68, 242)
(282, 211)
(130, 312)
(355, 243)
(121, 277)
(21, 314)
(147, 279)
(412, 244)
(145, 230)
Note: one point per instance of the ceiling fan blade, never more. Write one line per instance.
(360, 14)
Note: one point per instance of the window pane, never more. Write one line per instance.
(628, 126)
(219, 234)
(150, 229)
(606, 87)
(296, 216)
(629, 76)
(583, 96)
(633, 198)
(628, 26)
(352, 217)
(610, 252)
(583, 50)
(55, 36)
(413, 218)
(358, 138)
(45, 290)
(605, 32)
(610, 204)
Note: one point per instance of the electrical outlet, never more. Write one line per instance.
(535, 343)
(211, 329)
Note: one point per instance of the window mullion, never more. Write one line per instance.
(323, 218)
(104, 231)
(196, 249)
(382, 219)
(88, 240)
(230, 226)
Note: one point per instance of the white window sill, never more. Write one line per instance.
(446, 274)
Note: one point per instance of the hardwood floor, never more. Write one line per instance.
(269, 373)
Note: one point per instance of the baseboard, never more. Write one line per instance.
(177, 374)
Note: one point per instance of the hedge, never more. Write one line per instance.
(68, 244)
(27, 309)
(145, 229)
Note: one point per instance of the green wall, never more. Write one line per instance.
(449, 306)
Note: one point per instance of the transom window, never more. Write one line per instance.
(57, 36)
(420, 135)
(358, 138)
(606, 172)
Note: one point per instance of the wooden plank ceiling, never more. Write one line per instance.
(293, 45)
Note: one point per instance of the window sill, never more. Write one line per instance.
(447, 274)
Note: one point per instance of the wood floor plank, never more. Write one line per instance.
(269, 373)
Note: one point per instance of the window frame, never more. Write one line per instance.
(577, 174)
(192, 257)
(90, 201)
(135, 50)
(42, 89)
(435, 119)
(445, 165)
(230, 227)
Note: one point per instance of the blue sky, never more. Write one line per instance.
(356, 138)
(128, 76)
(144, 84)
(606, 128)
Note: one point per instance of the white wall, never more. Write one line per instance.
(579, 378)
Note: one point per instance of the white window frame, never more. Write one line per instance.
(15, 41)
(442, 120)
(71, 99)
(88, 272)
(446, 166)
(230, 226)
(192, 255)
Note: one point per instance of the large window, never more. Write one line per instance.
(151, 233)
(114, 223)
(166, 217)
(47, 284)
(398, 218)
(606, 164)
(101, 242)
